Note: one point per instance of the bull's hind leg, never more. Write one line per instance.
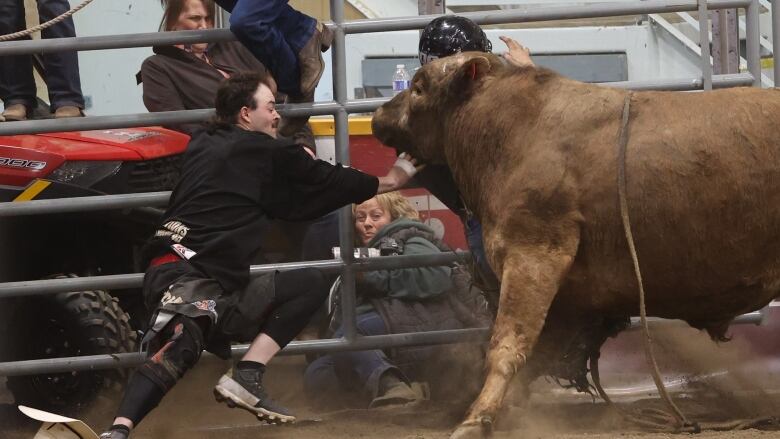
(531, 276)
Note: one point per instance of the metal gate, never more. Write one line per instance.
(340, 108)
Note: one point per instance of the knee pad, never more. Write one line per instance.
(179, 347)
(315, 280)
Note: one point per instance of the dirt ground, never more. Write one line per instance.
(709, 382)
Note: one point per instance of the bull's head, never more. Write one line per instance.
(414, 121)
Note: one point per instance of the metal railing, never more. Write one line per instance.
(340, 107)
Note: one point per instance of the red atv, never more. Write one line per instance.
(58, 165)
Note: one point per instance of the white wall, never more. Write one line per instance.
(651, 53)
(108, 76)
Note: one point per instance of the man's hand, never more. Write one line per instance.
(518, 55)
(402, 171)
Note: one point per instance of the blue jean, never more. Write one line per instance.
(477, 248)
(274, 32)
(17, 84)
(354, 371)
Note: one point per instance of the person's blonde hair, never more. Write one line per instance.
(396, 204)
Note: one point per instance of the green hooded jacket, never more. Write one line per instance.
(418, 283)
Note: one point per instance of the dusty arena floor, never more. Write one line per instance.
(709, 382)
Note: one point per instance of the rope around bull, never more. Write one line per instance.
(45, 25)
(678, 415)
(676, 420)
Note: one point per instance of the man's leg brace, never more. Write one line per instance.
(176, 350)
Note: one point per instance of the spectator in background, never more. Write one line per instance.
(186, 77)
(61, 69)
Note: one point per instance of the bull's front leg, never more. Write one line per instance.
(532, 274)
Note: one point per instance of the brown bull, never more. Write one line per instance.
(534, 156)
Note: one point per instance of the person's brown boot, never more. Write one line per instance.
(311, 62)
(15, 112)
(68, 111)
(393, 391)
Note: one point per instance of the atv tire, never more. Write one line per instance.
(67, 325)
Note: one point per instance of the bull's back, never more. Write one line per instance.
(703, 173)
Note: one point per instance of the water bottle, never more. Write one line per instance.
(401, 79)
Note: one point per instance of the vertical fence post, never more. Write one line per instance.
(341, 123)
(753, 55)
(776, 41)
(704, 42)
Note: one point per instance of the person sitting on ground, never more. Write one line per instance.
(61, 69)
(186, 77)
(236, 176)
(398, 301)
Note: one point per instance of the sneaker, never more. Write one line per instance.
(244, 389)
(311, 62)
(393, 391)
(15, 112)
(68, 111)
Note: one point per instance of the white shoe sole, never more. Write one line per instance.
(227, 391)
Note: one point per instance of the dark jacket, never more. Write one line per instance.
(421, 298)
(415, 283)
(233, 183)
(174, 79)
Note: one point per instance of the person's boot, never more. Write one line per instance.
(311, 63)
(116, 432)
(15, 112)
(243, 388)
(393, 391)
(68, 111)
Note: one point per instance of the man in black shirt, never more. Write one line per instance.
(237, 176)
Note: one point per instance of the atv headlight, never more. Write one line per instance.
(84, 173)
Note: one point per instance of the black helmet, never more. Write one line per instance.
(451, 34)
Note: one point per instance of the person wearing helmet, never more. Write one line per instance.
(451, 34)
(445, 36)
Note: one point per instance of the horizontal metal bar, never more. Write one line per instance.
(316, 109)
(134, 280)
(160, 118)
(84, 204)
(115, 41)
(751, 318)
(683, 84)
(98, 362)
(536, 14)
(367, 26)
(113, 361)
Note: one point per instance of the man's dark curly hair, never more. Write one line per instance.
(236, 92)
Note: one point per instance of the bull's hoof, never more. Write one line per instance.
(470, 432)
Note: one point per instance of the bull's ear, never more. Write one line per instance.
(470, 73)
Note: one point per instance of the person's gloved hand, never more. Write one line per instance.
(408, 164)
(518, 55)
(402, 171)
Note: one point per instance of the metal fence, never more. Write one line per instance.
(340, 108)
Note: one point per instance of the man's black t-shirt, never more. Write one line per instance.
(233, 182)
